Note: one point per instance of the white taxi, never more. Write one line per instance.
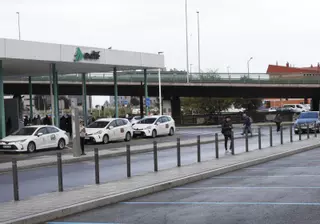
(32, 138)
(154, 126)
(108, 129)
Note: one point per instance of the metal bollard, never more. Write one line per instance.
(217, 145)
(281, 135)
(128, 161)
(315, 129)
(60, 178)
(178, 153)
(300, 131)
(291, 137)
(259, 138)
(232, 143)
(270, 130)
(308, 131)
(198, 149)
(155, 156)
(15, 180)
(247, 141)
(96, 165)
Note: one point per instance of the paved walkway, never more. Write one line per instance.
(105, 153)
(54, 205)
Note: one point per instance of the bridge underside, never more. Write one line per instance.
(168, 91)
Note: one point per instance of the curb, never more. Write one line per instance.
(267, 124)
(128, 195)
(115, 154)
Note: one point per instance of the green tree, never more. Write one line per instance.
(248, 104)
(205, 105)
(134, 101)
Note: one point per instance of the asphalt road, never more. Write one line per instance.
(43, 180)
(284, 191)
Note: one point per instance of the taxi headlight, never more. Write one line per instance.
(21, 141)
(149, 127)
(98, 133)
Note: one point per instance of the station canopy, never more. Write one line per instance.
(27, 58)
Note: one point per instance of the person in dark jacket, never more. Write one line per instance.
(226, 130)
(278, 121)
(246, 124)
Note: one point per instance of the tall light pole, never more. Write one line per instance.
(19, 25)
(248, 64)
(187, 39)
(228, 69)
(160, 92)
(198, 19)
(191, 68)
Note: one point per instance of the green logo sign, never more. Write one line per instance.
(78, 56)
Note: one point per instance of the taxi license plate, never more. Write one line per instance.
(87, 138)
(6, 146)
(137, 132)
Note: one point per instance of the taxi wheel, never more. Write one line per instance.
(105, 139)
(171, 132)
(128, 137)
(61, 144)
(31, 147)
(154, 133)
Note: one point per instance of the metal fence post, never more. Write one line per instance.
(96, 165)
(155, 156)
(259, 138)
(291, 137)
(232, 143)
(198, 149)
(217, 145)
(315, 129)
(128, 161)
(178, 153)
(281, 135)
(270, 130)
(247, 141)
(15, 179)
(60, 178)
(300, 132)
(308, 131)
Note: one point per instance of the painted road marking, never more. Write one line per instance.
(281, 167)
(82, 223)
(260, 176)
(244, 187)
(220, 203)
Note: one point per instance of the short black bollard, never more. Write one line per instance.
(155, 156)
(247, 141)
(308, 131)
(128, 161)
(270, 130)
(217, 145)
(315, 129)
(15, 180)
(300, 131)
(178, 153)
(291, 137)
(60, 178)
(259, 138)
(281, 135)
(232, 143)
(96, 165)
(198, 149)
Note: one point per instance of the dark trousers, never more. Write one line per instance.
(82, 144)
(278, 126)
(226, 138)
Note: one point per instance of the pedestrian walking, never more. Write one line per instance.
(246, 124)
(278, 121)
(226, 130)
(82, 137)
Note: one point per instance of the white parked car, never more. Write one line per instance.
(33, 138)
(135, 119)
(109, 129)
(296, 108)
(154, 126)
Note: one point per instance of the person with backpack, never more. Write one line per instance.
(226, 130)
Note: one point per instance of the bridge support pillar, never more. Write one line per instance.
(2, 112)
(176, 109)
(146, 90)
(84, 99)
(30, 97)
(55, 95)
(315, 104)
(116, 103)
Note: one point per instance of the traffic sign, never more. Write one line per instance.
(148, 102)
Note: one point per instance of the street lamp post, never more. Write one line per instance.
(198, 20)
(187, 39)
(19, 25)
(228, 69)
(248, 65)
(191, 68)
(160, 92)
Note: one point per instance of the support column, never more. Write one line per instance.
(84, 100)
(55, 96)
(176, 109)
(2, 111)
(116, 103)
(315, 104)
(30, 97)
(146, 90)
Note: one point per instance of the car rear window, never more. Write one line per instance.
(308, 115)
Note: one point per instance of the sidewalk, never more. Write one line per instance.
(105, 153)
(56, 205)
(254, 125)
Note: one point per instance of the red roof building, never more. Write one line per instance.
(276, 71)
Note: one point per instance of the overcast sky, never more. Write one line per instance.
(231, 30)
